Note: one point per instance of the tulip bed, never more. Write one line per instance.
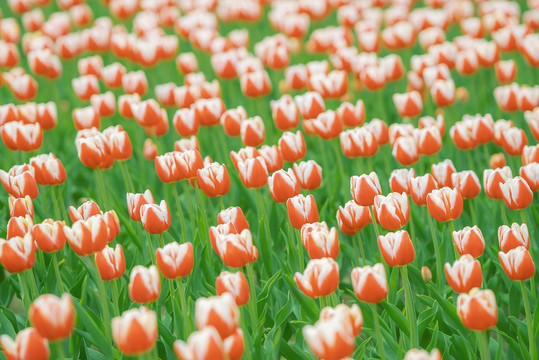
(320, 179)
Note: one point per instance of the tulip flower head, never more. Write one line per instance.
(370, 283)
(135, 331)
(517, 263)
(464, 274)
(478, 310)
(52, 316)
(320, 278)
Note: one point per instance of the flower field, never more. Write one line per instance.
(258, 179)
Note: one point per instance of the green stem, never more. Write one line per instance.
(150, 247)
(127, 177)
(529, 321)
(60, 354)
(55, 203)
(374, 223)
(115, 297)
(452, 229)
(300, 250)
(161, 240)
(361, 249)
(253, 311)
(483, 345)
(504, 213)
(472, 211)
(266, 244)
(101, 186)
(62, 208)
(205, 227)
(185, 308)
(33, 284)
(410, 312)
(24, 291)
(180, 211)
(221, 203)
(103, 297)
(57, 273)
(379, 339)
(436, 252)
(323, 302)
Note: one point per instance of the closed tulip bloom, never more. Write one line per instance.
(442, 172)
(28, 345)
(86, 237)
(364, 188)
(353, 217)
(428, 140)
(285, 113)
(252, 131)
(21, 185)
(497, 160)
(175, 260)
(234, 216)
(21, 206)
(283, 185)
(155, 218)
(135, 201)
(469, 241)
(18, 253)
(93, 152)
(396, 248)
(513, 141)
(110, 262)
(49, 235)
(327, 125)
(53, 317)
(188, 162)
(399, 181)
(135, 331)
(167, 168)
(516, 193)
(530, 173)
(120, 145)
(351, 115)
(231, 120)
(464, 274)
(19, 226)
(49, 170)
(392, 211)
(359, 142)
(320, 241)
(530, 154)
(370, 283)
(243, 154)
(84, 212)
(331, 337)
(405, 150)
(205, 344)
(320, 278)
(213, 180)
(445, 204)
(235, 284)
(253, 172)
(219, 312)
(417, 354)
(302, 210)
(517, 263)
(513, 237)
(144, 284)
(220, 230)
(408, 104)
(185, 123)
(493, 179)
(467, 182)
(236, 249)
(309, 174)
(478, 310)
(292, 146)
(272, 157)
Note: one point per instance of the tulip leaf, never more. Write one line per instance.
(512, 344)
(96, 333)
(396, 315)
(8, 322)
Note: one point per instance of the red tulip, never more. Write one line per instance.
(517, 263)
(205, 344)
(320, 278)
(530, 173)
(155, 218)
(493, 179)
(399, 181)
(465, 274)
(144, 284)
(53, 317)
(135, 331)
(478, 310)
(364, 188)
(513, 237)
(283, 185)
(469, 241)
(392, 211)
(516, 193)
(175, 260)
(408, 104)
(467, 182)
(234, 216)
(396, 248)
(18, 253)
(213, 180)
(21, 206)
(302, 210)
(353, 217)
(235, 249)
(88, 236)
(370, 283)
(319, 240)
(84, 212)
(219, 312)
(28, 345)
(110, 262)
(445, 204)
(19, 226)
(442, 172)
(253, 172)
(235, 284)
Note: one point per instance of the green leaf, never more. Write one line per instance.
(396, 315)
(512, 344)
(96, 333)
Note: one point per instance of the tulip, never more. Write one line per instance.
(205, 344)
(213, 180)
(155, 218)
(359, 142)
(530, 173)
(464, 274)
(516, 193)
(445, 204)
(19, 226)
(272, 157)
(167, 169)
(283, 185)
(364, 188)
(49, 170)
(417, 354)
(513, 237)
(308, 174)
(513, 141)
(392, 211)
(28, 345)
(231, 120)
(408, 104)
(353, 217)
(302, 210)
(18, 253)
(235, 284)
(477, 310)
(421, 187)
(405, 150)
(175, 260)
(253, 172)
(87, 237)
(351, 115)
(234, 216)
(21, 206)
(292, 146)
(399, 181)
(396, 248)
(110, 262)
(467, 182)
(135, 201)
(492, 180)
(53, 317)
(285, 113)
(469, 241)
(320, 278)
(517, 263)
(442, 172)
(135, 331)
(252, 131)
(370, 283)
(85, 211)
(219, 312)
(319, 240)
(188, 162)
(327, 125)
(49, 235)
(236, 249)
(20, 185)
(144, 284)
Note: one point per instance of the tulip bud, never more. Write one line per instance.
(235, 284)
(28, 345)
(219, 312)
(144, 284)
(517, 263)
(18, 253)
(175, 260)
(320, 278)
(464, 274)
(426, 274)
(53, 317)
(135, 331)
(110, 262)
(478, 310)
(370, 283)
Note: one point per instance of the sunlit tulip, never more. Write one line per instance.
(236, 249)
(19, 226)
(309, 174)
(175, 260)
(320, 278)
(234, 216)
(396, 248)
(144, 284)
(253, 172)
(53, 317)
(392, 211)
(364, 188)
(464, 274)
(283, 185)
(235, 284)
(478, 310)
(517, 263)
(320, 241)
(18, 253)
(353, 217)
(84, 212)
(530, 173)
(513, 237)
(21, 206)
(205, 344)
(155, 218)
(370, 283)
(135, 331)
(516, 193)
(219, 312)
(28, 345)
(445, 204)
(302, 210)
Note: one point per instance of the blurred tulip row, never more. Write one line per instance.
(308, 202)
